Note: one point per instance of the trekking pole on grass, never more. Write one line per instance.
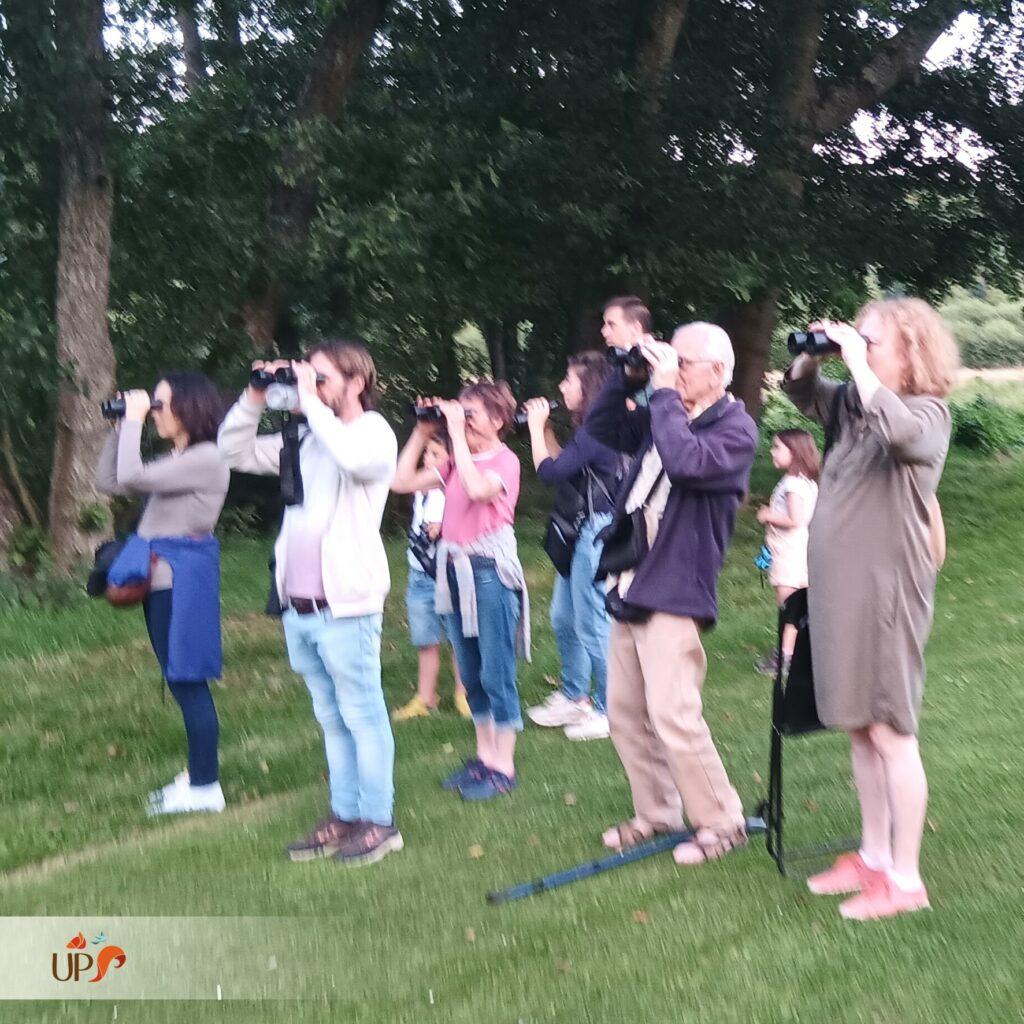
(596, 867)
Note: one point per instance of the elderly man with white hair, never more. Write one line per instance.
(694, 446)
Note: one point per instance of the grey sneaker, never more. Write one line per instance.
(324, 841)
(369, 844)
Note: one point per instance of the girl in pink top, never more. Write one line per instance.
(481, 483)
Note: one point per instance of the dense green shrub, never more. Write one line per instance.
(987, 426)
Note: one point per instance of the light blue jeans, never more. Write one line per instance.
(340, 662)
(580, 621)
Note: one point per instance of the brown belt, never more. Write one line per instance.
(307, 605)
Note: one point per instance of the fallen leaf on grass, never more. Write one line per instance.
(113, 750)
(933, 825)
(533, 841)
(476, 851)
(70, 807)
(552, 681)
(447, 748)
(563, 966)
(570, 799)
(471, 935)
(264, 767)
(641, 917)
(758, 779)
(811, 805)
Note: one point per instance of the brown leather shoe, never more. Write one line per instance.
(325, 839)
(369, 844)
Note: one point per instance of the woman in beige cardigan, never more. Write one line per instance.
(872, 571)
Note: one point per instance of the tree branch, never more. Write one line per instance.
(29, 509)
(895, 61)
(659, 36)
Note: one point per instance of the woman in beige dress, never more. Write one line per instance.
(872, 579)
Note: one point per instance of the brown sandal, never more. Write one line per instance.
(629, 833)
(707, 844)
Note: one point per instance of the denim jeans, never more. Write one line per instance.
(340, 662)
(487, 663)
(425, 626)
(579, 619)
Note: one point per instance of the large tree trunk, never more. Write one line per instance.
(83, 275)
(496, 337)
(750, 325)
(192, 46)
(295, 193)
(9, 518)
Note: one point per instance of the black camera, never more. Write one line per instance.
(811, 343)
(422, 548)
(631, 358)
(114, 408)
(521, 418)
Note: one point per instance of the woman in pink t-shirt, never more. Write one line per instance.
(480, 585)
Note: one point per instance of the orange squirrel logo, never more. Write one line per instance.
(79, 963)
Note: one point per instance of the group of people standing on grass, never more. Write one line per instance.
(647, 490)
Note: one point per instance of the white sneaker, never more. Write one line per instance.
(188, 799)
(180, 781)
(593, 727)
(558, 711)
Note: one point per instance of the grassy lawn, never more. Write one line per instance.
(85, 735)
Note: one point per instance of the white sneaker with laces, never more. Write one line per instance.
(189, 799)
(558, 711)
(593, 727)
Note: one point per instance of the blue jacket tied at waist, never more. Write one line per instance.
(194, 645)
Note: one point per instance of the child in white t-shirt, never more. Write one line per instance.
(785, 519)
(426, 628)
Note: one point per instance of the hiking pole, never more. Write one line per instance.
(596, 867)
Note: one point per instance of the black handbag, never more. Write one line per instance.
(572, 506)
(625, 539)
(622, 611)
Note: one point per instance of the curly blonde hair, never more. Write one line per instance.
(929, 353)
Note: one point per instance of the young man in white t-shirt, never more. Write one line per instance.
(332, 578)
(426, 627)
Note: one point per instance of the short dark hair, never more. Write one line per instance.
(497, 398)
(351, 359)
(633, 309)
(197, 404)
(593, 369)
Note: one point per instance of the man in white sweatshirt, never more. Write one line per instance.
(332, 577)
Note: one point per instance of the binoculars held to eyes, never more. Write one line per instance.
(433, 414)
(114, 408)
(811, 343)
(261, 379)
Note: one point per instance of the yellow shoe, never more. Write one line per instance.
(462, 705)
(416, 708)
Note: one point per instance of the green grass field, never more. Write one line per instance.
(85, 735)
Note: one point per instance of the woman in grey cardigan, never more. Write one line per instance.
(185, 491)
(872, 579)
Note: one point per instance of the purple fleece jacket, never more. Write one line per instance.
(708, 463)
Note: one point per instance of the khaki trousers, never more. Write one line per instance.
(656, 671)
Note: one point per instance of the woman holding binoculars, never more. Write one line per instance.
(481, 589)
(872, 567)
(585, 473)
(184, 491)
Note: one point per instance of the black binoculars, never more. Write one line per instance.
(433, 414)
(811, 343)
(261, 379)
(114, 408)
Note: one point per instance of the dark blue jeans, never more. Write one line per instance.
(487, 663)
(194, 698)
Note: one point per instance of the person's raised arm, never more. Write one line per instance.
(409, 475)
(478, 486)
(543, 444)
(239, 444)
(609, 421)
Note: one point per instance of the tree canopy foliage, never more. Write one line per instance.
(284, 169)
